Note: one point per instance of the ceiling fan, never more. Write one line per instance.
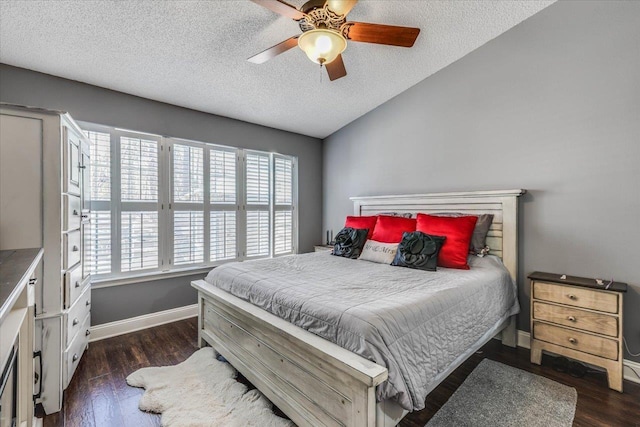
(325, 31)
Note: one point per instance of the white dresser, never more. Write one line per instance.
(46, 181)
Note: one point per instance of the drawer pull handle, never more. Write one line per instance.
(87, 333)
(75, 248)
(75, 321)
(571, 296)
(75, 357)
(77, 284)
(571, 318)
(85, 216)
(573, 340)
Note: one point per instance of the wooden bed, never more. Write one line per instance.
(313, 381)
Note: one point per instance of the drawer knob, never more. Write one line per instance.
(87, 333)
(88, 303)
(75, 248)
(571, 296)
(75, 357)
(573, 340)
(571, 318)
(77, 284)
(75, 321)
(75, 212)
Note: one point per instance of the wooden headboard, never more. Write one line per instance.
(503, 204)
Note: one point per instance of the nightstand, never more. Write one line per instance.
(577, 318)
(323, 248)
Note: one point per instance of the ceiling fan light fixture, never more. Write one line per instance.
(321, 45)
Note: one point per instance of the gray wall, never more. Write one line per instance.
(552, 106)
(98, 105)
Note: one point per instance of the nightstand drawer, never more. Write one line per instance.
(576, 318)
(577, 297)
(580, 341)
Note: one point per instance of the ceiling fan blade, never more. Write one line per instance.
(381, 34)
(336, 69)
(341, 7)
(273, 51)
(281, 7)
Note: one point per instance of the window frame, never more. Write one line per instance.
(166, 206)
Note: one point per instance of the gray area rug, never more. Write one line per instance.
(499, 395)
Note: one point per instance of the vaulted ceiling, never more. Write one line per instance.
(193, 53)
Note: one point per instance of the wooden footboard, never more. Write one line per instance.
(313, 381)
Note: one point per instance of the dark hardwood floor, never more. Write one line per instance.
(99, 395)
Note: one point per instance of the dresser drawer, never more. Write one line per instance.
(577, 297)
(73, 285)
(576, 318)
(71, 248)
(77, 313)
(580, 341)
(73, 353)
(72, 212)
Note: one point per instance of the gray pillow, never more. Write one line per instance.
(404, 215)
(479, 238)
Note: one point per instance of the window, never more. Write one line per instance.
(162, 204)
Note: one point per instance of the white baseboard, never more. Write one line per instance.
(125, 326)
(524, 339)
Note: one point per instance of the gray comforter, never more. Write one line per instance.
(415, 323)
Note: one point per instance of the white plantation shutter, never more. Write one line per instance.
(283, 232)
(139, 169)
(257, 179)
(163, 202)
(223, 235)
(257, 233)
(97, 242)
(283, 177)
(283, 226)
(139, 240)
(222, 176)
(100, 165)
(188, 237)
(98, 245)
(258, 197)
(223, 183)
(188, 173)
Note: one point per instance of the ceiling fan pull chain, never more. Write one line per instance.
(320, 73)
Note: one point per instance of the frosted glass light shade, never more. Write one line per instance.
(322, 46)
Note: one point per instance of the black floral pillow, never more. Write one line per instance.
(349, 242)
(418, 250)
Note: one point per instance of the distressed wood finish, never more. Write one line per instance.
(585, 320)
(313, 381)
(576, 297)
(580, 323)
(282, 359)
(503, 234)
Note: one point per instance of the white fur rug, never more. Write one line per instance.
(202, 391)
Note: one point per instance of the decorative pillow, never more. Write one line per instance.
(349, 242)
(379, 252)
(457, 230)
(360, 222)
(389, 229)
(404, 215)
(479, 238)
(418, 250)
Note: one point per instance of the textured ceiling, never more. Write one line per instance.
(193, 53)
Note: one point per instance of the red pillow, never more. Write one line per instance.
(389, 229)
(360, 222)
(458, 231)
